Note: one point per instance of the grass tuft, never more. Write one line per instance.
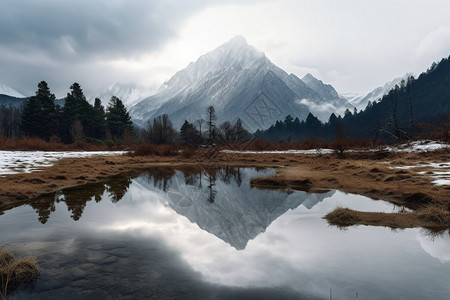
(342, 217)
(16, 273)
(435, 215)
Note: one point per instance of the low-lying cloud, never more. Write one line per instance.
(326, 107)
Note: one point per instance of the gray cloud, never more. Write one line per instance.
(49, 39)
(98, 42)
(68, 28)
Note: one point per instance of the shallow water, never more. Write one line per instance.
(169, 235)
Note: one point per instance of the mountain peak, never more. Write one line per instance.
(309, 77)
(238, 40)
(235, 52)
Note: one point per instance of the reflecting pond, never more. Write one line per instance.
(165, 234)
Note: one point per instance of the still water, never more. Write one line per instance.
(166, 234)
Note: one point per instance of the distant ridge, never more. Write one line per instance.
(8, 91)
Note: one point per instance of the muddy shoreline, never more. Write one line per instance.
(378, 175)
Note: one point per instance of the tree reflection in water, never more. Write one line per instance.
(211, 186)
(161, 177)
(76, 198)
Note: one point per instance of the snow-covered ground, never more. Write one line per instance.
(417, 146)
(439, 172)
(13, 162)
(420, 146)
(310, 151)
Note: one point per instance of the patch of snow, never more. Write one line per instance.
(309, 151)
(430, 165)
(420, 146)
(417, 146)
(14, 162)
(440, 172)
(442, 181)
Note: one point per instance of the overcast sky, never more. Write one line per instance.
(355, 45)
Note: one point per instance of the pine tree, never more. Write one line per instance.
(189, 134)
(98, 105)
(118, 120)
(75, 108)
(39, 117)
(99, 129)
(409, 98)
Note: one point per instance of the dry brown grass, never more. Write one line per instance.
(155, 150)
(188, 152)
(33, 143)
(342, 217)
(366, 174)
(261, 145)
(16, 273)
(369, 174)
(434, 215)
(430, 217)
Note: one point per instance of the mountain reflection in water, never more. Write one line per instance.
(219, 201)
(190, 234)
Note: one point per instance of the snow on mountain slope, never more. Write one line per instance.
(236, 52)
(129, 94)
(360, 100)
(6, 90)
(239, 81)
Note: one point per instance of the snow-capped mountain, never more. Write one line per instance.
(129, 94)
(6, 90)
(10, 97)
(239, 81)
(360, 100)
(330, 102)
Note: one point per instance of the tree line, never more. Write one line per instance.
(76, 120)
(160, 130)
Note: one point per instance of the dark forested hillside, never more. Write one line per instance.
(398, 115)
(6, 100)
